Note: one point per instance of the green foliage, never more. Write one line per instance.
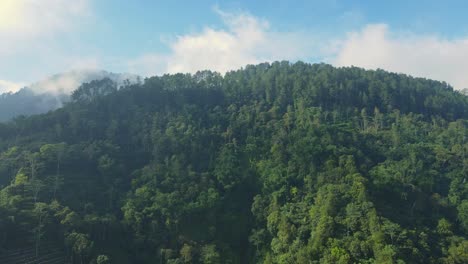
(102, 259)
(274, 163)
(210, 255)
(463, 214)
(79, 244)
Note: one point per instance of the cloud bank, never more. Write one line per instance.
(7, 86)
(36, 17)
(32, 27)
(35, 20)
(245, 39)
(431, 56)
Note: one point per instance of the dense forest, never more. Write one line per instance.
(272, 163)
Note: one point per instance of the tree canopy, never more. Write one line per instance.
(272, 163)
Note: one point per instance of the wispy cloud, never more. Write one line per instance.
(7, 86)
(40, 16)
(23, 20)
(34, 30)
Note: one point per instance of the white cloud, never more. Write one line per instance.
(34, 30)
(63, 83)
(7, 86)
(245, 40)
(430, 56)
(32, 18)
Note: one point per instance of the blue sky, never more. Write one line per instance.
(39, 38)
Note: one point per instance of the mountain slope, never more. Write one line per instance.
(274, 163)
(53, 92)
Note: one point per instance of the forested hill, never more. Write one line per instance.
(274, 163)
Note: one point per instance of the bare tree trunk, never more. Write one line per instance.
(57, 175)
(38, 235)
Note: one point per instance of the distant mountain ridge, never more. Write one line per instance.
(65, 83)
(50, 94)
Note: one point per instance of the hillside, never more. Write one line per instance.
(51, 93)
(273, 163)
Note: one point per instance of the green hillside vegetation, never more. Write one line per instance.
(273, 163)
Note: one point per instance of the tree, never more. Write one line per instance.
(41, 212)
(80, 245)
(102, 259)
(463, 214)
(210, 255)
